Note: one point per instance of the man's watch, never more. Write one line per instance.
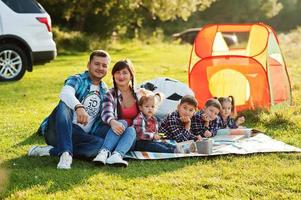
(78, 106)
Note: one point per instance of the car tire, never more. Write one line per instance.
(13, 62)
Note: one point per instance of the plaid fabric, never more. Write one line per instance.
(145, 128)
(229, 123)
(198, 127)
(81, 83)
(174, 129)
(109, 106)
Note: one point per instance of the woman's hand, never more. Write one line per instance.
(117, 127)
(82, 116)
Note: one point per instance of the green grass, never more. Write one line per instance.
(25, 103)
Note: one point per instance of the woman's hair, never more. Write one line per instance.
(229, 99)
(157, 97)
(189, 99)
(124, 64)
(213, 102)
(120, 65)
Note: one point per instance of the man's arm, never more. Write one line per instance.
(68, 97)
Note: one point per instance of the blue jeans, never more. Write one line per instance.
(66, 136)
(120, 143)
(153, 146)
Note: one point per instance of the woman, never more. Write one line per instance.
(119, 109)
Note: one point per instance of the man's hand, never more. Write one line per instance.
(207, 134)
(117, 126)
(82, 116)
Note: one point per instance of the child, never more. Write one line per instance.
(176, 125)
(146, 125)
(207, 121)
(228, 113)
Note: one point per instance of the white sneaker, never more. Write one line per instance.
(65, 161)
(116, 159)
(102, 156)
(39, 151)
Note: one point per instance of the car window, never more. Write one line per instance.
(24, 6)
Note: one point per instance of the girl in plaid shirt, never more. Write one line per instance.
(146, 125)
(228, 113)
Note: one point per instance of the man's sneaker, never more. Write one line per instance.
(40, 151)
(116, 159)
(102, 156)
(65, 161)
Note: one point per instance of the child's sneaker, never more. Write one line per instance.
(102, 156)
(39, 151)
(116, 159)
(65, 161)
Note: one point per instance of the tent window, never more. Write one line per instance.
(230, 43)
(274, 50)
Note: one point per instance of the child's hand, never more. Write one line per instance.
(198, 138)
(185, 119)
(240, 120)
(207, 134)
(205, 117)
(157, 137)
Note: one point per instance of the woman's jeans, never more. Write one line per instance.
(65, 136)
(119, 143)
(154, 146)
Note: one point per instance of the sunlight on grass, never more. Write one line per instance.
(25, 103)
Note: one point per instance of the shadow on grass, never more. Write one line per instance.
(29, 172)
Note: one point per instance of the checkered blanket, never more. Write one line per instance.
(260, 143)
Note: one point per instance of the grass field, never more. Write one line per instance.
(25, 103)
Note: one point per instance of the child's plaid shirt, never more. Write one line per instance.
(229, 123)
(146, 128)
(174, 129)
(198, 124)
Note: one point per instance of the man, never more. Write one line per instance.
(69, 130)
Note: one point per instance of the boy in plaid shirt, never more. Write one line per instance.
(206, 121)
(146, 125)
(177, 125)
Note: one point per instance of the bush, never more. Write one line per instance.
(75, 41)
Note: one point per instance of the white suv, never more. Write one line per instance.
(25, 38)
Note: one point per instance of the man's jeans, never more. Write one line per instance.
(120, 143)
(65, 136)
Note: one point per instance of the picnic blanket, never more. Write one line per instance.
(260, 143)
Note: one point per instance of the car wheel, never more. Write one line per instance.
(13, 62)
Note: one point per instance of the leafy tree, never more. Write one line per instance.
(105, 16)
(228, 11)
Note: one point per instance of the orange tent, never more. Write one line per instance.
(242, 60)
